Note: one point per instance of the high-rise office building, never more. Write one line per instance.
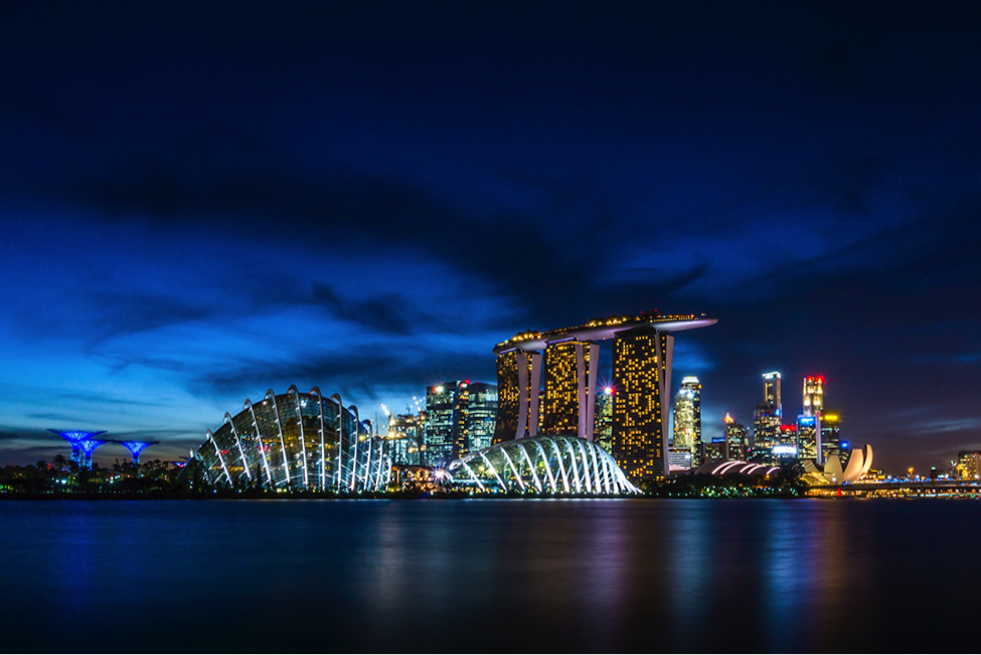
(767, 418)
(687, 423)
(642, 380)
(813, 395)
(771, 389)
(809, 438)
(448, 419)
(830, 434)
(603, 419)
(715, 450)
(482, 416)
(737, 436)
(405, 438)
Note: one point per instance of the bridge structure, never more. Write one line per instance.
(901, 489)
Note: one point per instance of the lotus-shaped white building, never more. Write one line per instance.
(858, 465)
(296, 441)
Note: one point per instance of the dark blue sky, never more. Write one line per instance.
(203, 201)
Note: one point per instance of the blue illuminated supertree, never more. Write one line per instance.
(137, 447)
(87, 446)
(75, 438)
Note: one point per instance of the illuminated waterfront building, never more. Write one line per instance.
(767, 418)
(295, 441)
(813, 395)
(570, 387)
(737, 437)
(642, 379)
(603, 419)
(969, 465)
(641, 383)
(687, 423)
(450, 426)
(520, 364)
(830, 434)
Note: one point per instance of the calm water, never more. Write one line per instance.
(529, 576)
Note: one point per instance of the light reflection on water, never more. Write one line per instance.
(620, 575)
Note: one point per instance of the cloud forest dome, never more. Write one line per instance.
(552, 464)
(296, 441)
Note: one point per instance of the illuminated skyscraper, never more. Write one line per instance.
(737, 436)
(767, 418)
(449, 424)
(603, 419)
(642, 380)
(809, 438)
(687, 431)
(830, 434)
(813, 395)
(519, 375)
(482, 416)
(771, 389)
(567, 408)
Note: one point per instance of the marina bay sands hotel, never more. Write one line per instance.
(569, 357)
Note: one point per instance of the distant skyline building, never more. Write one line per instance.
(687, 420)
(767, 419)
(450, 427)
(813, 395)
(809, 438)
(771, 390)
(737, 436)
(830, 434)
(603, 419)
(405, 438)
(969, 465)
(715, 450)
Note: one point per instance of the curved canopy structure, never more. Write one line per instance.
(296, 441)
(734, 467)
(553, 465)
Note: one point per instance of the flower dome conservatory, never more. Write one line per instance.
(296, 441)
(551, 464)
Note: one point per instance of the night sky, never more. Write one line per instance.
(200, 202)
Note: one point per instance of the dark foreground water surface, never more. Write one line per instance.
(463, 576)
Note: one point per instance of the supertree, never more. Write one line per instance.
(75, 438)
(87, 446)
(137, 447)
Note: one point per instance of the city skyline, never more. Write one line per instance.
(197, 209)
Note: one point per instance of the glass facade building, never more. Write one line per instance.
(460, 417)
(687, 423)
(737, 436)
(296, 441)
(547, 464)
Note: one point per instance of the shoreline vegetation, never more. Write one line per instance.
(156, 480)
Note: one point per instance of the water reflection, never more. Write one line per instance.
(544, 576)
